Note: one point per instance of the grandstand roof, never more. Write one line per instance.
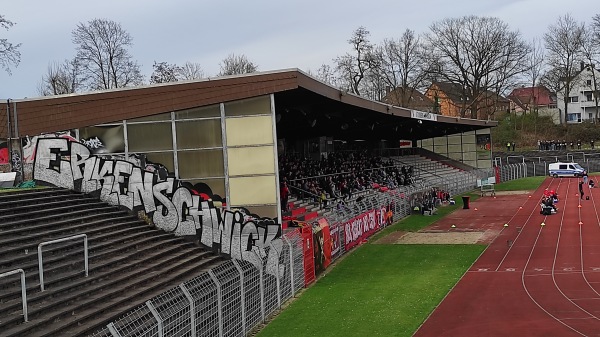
(305, 107)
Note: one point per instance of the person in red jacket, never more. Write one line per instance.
(284, 194)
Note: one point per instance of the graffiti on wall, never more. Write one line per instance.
(171, 205)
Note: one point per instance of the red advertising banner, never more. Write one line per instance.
(309, 259)
(336, 245)
(363, 226)
(326, 242)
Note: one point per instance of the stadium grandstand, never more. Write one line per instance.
(193, 208)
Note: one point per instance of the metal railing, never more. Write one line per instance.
(40, 258)
(23, 289)
(228, 300)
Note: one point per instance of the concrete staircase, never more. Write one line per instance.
(129, 262)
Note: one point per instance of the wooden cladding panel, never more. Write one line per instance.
(69, 112)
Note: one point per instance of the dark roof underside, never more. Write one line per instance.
(305, 108)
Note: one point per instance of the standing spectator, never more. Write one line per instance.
(284, 194)
(585, 177)
(513, 146)
(592, 143)
(571, 145)
(508, 147)
(579, 144)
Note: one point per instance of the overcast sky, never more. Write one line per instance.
(272, 34)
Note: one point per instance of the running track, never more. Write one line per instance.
(532, 279)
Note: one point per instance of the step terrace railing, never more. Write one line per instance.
(45, 243)
(23, 289)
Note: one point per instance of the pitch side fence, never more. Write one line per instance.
(532, 169)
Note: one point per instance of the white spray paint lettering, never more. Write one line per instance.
(173, 208)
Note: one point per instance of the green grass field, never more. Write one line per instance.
(384, 290)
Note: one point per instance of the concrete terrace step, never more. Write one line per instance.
(78, 306)
(101, 264)
(129, 262)
(65, 197)
(72, 216)
(15, 256)
(32, 194)
(36, 233)
(19, 209)
(57, 210)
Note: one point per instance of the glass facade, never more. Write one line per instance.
(472, 148)
(230, 147)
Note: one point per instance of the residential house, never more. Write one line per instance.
(452, 100)
(534, 99)
(409, 98)
(581, 104)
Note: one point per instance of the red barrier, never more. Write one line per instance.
(298, 211)
(309, 259)
(497, 170)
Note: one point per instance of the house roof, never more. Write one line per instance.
(416, 100)
(529, 95)
(454, 92)
(305, 108)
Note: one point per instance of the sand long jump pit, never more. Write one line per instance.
(440, 238)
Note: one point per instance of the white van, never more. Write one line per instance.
(565, 170)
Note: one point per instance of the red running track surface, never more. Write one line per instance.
(532, 279)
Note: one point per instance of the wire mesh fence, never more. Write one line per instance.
(228, 300)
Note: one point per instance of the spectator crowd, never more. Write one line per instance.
(339, 175)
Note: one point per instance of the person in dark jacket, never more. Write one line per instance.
(581, 189)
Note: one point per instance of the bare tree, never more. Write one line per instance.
(535, 64)
(103, 55)
(353, 67)
(190, 71)
(62, 78)
(236, 64)
(478, 54)
(164, 73)
(563, 44)
(402, 66)
(591, 54)
(326, 75)
(9, 53)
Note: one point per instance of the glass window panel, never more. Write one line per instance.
(163, 158)
(200, 164)
(252, 190)
(455, 139)
(251, 160)
(160, 117)
(199, 134)
(454, 148)
(484, 163)
(440, 140)
(470, 156)
(149, 137)
(199, 112)
(252, 106)
(456, 156)
(267, 211)
(109, 138)
(249, 131)
(469, 147)
(217, 186)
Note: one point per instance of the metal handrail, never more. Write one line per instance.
(41, 264)
(23, 289)
(340, 173)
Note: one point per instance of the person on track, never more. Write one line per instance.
(581, 190)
